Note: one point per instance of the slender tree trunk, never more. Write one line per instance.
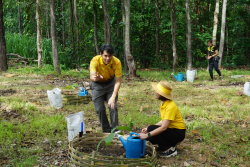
(189, 55)
(54, 38)
(247, 32)
(107, 23)
(95, 28)
(118, 32)
(77, 25)
(47, 19)
(72, 29)
(19, 18)
(123, 29)
(227, 42)
(173, 30)
(129, 57)
(39, 38)
(222, 37)
(143, 36)
(63, 25)
(3, 57)
(216, 15)
(157, 28)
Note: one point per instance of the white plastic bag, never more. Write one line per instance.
(190, 75)
(195, 71)
(74, 124)
(247, 89)
(55, 98)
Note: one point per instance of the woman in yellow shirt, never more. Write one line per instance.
(171, 129)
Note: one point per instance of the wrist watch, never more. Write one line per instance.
(149, 134)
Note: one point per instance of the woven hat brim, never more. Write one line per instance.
(168, 96)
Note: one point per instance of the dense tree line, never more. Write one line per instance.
(158, 35)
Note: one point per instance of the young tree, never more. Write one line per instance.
(129, 57)
(72, 29)
(189, 55)
(173, 30)
(95, 28)
(222, 37)
(54, 38)
(107, 31)
(157, 28)
(3, 57)
(123, 30)
(63, 24)
(143, 35)
(19, 19)
(39, 38)
(216, 15)
(77, 26)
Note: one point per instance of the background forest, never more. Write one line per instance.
(75, 27)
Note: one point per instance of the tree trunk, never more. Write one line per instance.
(63, 25)
(123, 29)
(3, 57)
(227, 42)
(216, 15)
(118, 32)
(54, 38)
(222, 37)
(157, 28)
(129, 57)
(95, 28)
(107, 23)
(173, 30)
(47, 19)
(19, 18)
(39, 38)
(72, 29)
(189, 55)
(143, 36)
(77, 25)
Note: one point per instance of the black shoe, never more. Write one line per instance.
(169, 153)
(108, 130)
(220, 78)
(211, 80)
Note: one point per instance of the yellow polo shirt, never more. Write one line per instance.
(170, 111)
(109, 71)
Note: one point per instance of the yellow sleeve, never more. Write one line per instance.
(93, 65)
(118, 70)
(170, 113)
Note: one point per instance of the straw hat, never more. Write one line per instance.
(164, 89)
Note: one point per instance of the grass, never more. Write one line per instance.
(213, 109)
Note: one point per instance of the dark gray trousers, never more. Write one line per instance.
(102, 92)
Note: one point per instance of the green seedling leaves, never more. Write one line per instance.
(74, 86)
(124, 128)
(109, 139)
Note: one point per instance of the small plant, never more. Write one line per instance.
(109, 139)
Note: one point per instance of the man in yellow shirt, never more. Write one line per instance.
(105, 74)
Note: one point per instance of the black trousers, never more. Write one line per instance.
(166, 139)
(213, 64)
(102, 92)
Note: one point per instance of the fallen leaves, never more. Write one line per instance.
(240, 93)
(141, 108)
(244, 140)
(244, 125)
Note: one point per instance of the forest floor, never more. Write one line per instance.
(216, 114)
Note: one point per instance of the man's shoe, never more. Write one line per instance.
(169, 153)
(220, 78)
(211, 80)
(108, 130)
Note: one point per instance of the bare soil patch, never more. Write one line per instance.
(7, 92)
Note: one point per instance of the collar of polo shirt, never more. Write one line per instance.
(111, 62)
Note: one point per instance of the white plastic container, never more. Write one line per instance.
(247, 89)
(74, 124)
(190, 75)
(55, 98)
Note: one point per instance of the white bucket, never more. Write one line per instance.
(190, 75)
(247, 89)
(55, 98)
(74, 124)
